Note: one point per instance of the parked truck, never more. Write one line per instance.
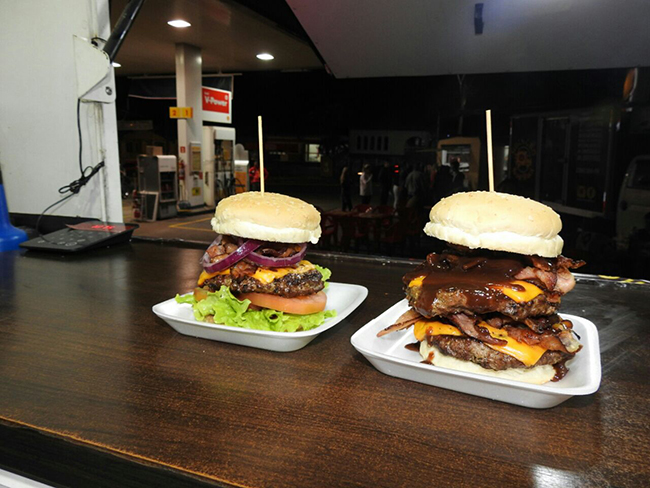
(575, 161)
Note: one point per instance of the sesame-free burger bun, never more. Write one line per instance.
(497, 221)
(267, 217)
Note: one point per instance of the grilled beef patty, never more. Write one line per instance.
(448, 301)
(289, 286)
(475, 351)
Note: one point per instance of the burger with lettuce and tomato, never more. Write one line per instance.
(255, 274)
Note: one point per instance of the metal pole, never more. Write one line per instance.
(122, 28)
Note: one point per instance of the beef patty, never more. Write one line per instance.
(450, 300)
(289, 286)
(468, 349)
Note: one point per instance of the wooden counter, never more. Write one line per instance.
(95, 390)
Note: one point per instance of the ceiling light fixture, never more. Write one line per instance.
(116, 65)
(180, 24)
(265, 56)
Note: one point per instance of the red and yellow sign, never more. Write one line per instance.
(217, 105)
(180, 112)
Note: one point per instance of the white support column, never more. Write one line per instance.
(188, 93)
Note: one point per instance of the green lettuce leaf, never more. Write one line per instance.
(326, 274)
(228, 310)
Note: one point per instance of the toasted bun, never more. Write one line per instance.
(537, 374)
(267, 217)
(497, 221)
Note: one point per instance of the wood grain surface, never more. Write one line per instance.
(87, 371)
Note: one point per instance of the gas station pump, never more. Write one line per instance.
(194, 180)
(218, 163)
(190, 176)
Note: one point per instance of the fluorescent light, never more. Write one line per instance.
(265, 56)
(179, 23)
(116, 64)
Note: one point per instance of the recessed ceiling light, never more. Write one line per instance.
(265, 56)
(116, 65)
(179, 23)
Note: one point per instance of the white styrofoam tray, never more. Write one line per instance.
(342, 297)
(389, 355)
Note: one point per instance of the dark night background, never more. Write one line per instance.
(315, 104)
(316, 108)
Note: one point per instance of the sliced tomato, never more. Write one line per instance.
(298, 305)
(200, 294)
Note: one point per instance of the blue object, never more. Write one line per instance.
(10, 237)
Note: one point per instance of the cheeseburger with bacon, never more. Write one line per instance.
(254, 272)
(488, 303)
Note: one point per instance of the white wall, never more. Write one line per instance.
(38, 100)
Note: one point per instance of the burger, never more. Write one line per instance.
(255, 274)
(488, 302)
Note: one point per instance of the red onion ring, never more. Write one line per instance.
(271, 262)
(240, 253)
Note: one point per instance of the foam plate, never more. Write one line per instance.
(342, 297)
(389, 355)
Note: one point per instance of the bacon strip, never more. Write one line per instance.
(404, 321)
(547, 278)
(469, 325)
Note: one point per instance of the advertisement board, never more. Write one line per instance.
(217, 105)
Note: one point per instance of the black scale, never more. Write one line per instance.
(82, 237)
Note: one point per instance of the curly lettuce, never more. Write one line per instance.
(226, 309)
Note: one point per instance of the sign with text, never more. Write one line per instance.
(217, 105)
(180, 112)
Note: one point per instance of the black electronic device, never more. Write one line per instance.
(82, 237)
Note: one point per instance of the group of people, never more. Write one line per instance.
(413, 185)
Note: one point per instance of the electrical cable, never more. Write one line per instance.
(75, 186)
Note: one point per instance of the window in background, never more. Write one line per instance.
(313, 153)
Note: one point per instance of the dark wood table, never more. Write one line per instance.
(95, 390)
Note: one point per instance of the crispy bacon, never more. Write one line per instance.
(404, 321)
(469, 325)
(278, 250)
(242, 269)
(545, 264)
(540, 324)
(565, 281)
(536, 324)
(564, 262)
(552, 340)
(547, 278)
(553, 274)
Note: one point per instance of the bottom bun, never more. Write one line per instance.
(537, 375)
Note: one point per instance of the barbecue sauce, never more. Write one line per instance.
(473, 276)
(560, 371)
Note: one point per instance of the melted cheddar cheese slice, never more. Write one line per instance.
(264, 275)
(513, 291)
(206, 276)
(416, 281)
(423, 328)
(529, 355)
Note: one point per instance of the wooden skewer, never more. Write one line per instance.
(488, 120)
(261, 144)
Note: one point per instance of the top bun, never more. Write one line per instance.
(267, 217)
(497, 221)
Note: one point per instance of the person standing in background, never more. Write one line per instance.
(395, 176)
(415, 185)
(365, 184)
(254, 174)
(404, 171)
(346, 186)
(385, 182)
(458, 182)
